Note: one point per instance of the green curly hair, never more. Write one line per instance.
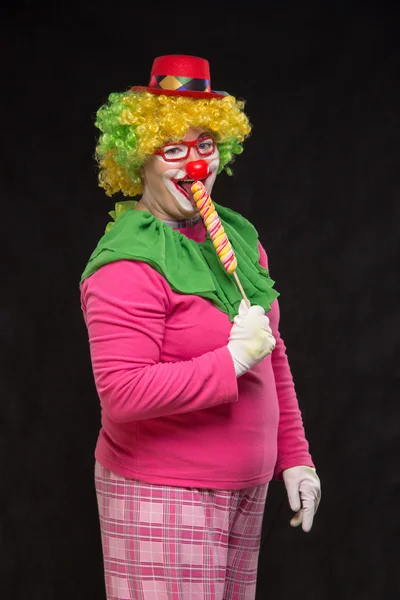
(135, 124)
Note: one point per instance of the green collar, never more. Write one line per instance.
(189, 267)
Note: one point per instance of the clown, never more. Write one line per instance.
(198, 405)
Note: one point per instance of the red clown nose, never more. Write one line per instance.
(197, 169)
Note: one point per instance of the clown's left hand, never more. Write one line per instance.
(304, 493)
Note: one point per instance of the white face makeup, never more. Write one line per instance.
(167, 185)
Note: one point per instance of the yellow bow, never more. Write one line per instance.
(120, 207)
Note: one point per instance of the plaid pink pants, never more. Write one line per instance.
(174, 543)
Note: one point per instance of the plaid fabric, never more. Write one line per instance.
(169, 543)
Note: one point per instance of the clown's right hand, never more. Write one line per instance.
(250, 339)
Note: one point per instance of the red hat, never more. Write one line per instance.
(180, 75)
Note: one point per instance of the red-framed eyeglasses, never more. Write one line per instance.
(175, 152)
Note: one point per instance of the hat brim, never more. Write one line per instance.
(188, 93)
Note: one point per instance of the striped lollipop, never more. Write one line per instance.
(216, 231)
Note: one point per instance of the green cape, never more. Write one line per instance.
(189, 267)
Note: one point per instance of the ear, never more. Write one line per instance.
(142, 175)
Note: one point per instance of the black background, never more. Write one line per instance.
(319, 178)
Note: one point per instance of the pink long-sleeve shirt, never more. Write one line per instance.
(173, 411)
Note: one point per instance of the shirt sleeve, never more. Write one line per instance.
(125, 305)
(293, 448)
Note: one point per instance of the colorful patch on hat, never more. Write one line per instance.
(171, 82)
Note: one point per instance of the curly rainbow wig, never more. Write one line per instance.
(135, 124)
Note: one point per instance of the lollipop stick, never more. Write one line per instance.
(241, 289)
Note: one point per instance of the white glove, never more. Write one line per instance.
(251, 338)
(304, 493)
